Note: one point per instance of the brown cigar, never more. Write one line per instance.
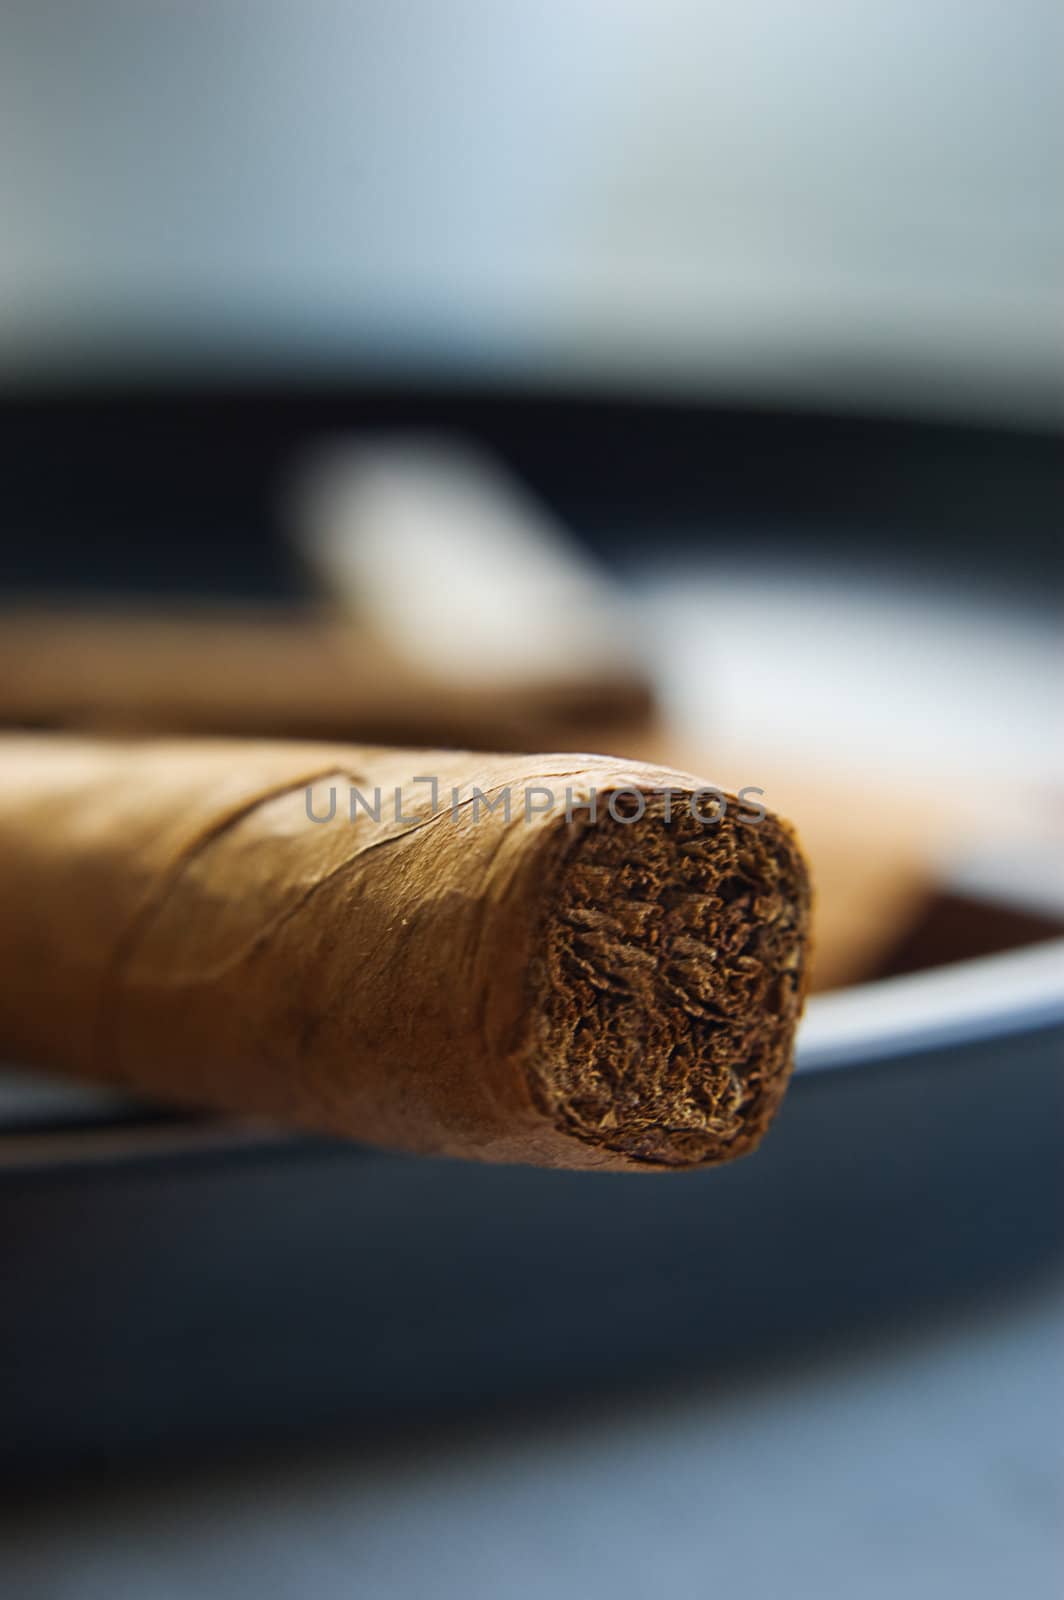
(559, 960)
(289, 674)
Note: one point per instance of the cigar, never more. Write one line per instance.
(881, 848)
(558, 960)
(284, 674)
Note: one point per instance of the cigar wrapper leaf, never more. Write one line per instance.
(290, 674)
(616, 993)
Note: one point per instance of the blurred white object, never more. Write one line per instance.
(436, 549)
(938, 684)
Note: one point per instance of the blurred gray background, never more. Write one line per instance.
(821, 199)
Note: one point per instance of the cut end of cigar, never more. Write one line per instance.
(671, 984)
